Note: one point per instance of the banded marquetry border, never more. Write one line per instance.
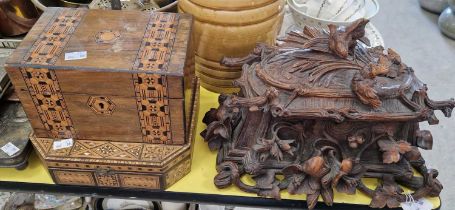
(157, 44)
(153, 108)
(42, 83)
(51, 42)
(151, 89)
(48, 99)
(109, 152)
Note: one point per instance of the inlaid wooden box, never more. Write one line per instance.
(119, 83)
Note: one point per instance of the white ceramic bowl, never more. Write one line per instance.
(313, 13)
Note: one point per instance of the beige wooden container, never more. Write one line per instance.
(229, 28)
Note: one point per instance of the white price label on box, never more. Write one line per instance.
(62, 144)
(75, 55)
(10, 149)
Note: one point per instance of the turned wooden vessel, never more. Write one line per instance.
(229, 28)
(120, 84)
(324, 111)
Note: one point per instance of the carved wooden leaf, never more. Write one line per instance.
(392, 150)
(327, 196)
(222, 131)
(334, 170)
(390, 187)
(390, 157)
(379, 200)
(295, 182)
(210, 116)
(312, 199)
(314, 183)
(392, 202)
(404, 146)
(344, 187)
(309, 186)
(215, 143)
(215, 134)
(435, 188)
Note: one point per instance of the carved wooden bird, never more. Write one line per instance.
(365, 91)
(344, 39)
(381, 68)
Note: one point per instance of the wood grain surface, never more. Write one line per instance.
(130, 87)
(232, 29)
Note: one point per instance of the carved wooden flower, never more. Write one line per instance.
(274, 147)
(392, 149)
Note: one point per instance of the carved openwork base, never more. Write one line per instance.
(315, 159)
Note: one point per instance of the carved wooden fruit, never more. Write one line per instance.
(119, 83)
(343, 111)
(229, 28)
(313, 166)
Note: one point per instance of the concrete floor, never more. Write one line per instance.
(414, 34)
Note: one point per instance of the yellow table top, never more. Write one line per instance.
(203, 169)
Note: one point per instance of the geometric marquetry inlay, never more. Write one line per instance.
(48, 47)
(139, 181)
(151, 89)
(109, 150)
(101, 105)
(42, 83)
(107, 36)
(73, 177)
(48, 99)
(178, 172)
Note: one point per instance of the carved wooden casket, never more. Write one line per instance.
(119, 84)
(323, 110)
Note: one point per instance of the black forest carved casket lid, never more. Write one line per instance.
(334, 75)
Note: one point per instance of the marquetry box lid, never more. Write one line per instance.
(104, 75)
